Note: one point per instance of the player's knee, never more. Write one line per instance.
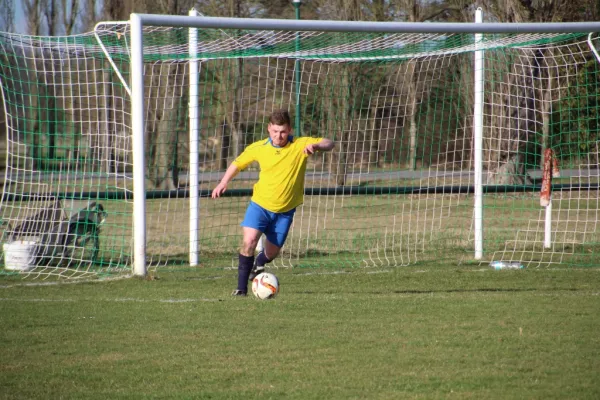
(248, 247)
(247, 251)
(271, 251)
(271, 255)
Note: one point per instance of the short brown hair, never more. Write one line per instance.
(280, 117)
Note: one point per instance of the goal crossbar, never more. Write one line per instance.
(363, 26)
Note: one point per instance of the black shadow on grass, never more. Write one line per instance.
(478, 290)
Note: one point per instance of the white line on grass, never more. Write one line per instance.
(117, 300)
(39, 300)
(322, 273)
(70, 282)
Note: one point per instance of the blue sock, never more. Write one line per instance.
(244, 268)
(261, 259)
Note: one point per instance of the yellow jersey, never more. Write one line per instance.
(280, 185)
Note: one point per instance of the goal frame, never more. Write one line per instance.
(138, 21)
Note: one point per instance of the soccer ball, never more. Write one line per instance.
(265, 286)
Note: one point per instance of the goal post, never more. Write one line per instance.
(335, 26)
(478, 72)
(431, 152)
(138, 129)
(194, 142)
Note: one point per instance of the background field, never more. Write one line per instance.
(425, 331)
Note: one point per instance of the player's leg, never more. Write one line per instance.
(265, 256)
(269, 253)
(276, 234)
(246, 258)
(254, 223)
(249, 241)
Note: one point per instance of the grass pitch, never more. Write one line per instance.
(420, 332)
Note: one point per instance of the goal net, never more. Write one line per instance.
(397, 189)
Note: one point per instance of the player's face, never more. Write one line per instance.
(279, 134)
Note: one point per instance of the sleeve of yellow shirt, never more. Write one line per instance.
(247, 157)
(306, 140)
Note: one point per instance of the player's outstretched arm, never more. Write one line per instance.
(323, 145)
(231, 172)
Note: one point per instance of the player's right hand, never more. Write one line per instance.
(219, 190)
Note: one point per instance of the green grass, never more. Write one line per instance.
(424, 332)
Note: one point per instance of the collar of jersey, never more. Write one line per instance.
(290, 140)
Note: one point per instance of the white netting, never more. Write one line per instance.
(397, 189)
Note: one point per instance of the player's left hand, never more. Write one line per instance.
(310, 149)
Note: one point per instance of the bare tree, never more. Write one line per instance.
(165, 82)
(7, 15)
(338, 118)
(91, 16)
(228, 76)
(118, 10)
(420, 11)
(7, 24)
(48, 98)
(518, 103)
(168, 81)
(71, 13)
(34, 11)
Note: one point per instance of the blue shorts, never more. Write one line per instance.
(274, 225)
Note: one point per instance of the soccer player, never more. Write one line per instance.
(279, 190)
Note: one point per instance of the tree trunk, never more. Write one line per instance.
(515, 125)
(31, 135)
(412, 110)
(237, 131)
(224, 144)
(106, 123)
(162, 127)
(510, 172)
(546, 111)
(336, 119)
(375, 133)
